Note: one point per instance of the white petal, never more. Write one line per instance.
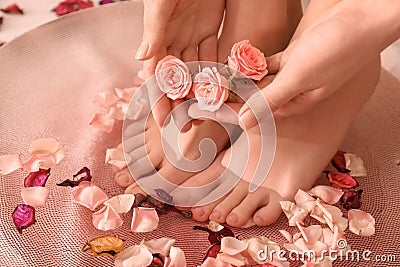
(35, 196)
(121, 203)
(144, 220)
(160, 246)
(176, 258)
(232, 246)
(355, 164)
(329, 194)
(135, 256)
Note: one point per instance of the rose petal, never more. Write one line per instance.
(304, 200)
(214, 226)
(104, 2)
(286, 235)
(232, 260)
(261, 243)
(36, 162)
(9, 163)
(105, 99)
(176, 258)
(121, 203)
(23, 216)
(107, 219)
(232, 246)
(13, 9)
(65, 8)
(84, 4)
(213, 251)
(134, 256)
(160, 246)
(211, 262)
(104, 246)
(351, 199)
(38, 178)
(293, 212)
(83, 175)
(355, 164)
(47, 147)
(326, 262)
(329, 194)
(311, 234)
(126, 94)
(144, 220)
(116, 158)
(104, 122)
(89, 195)
(35, 196)
(339, 162)
(361, 223)
(342, 180)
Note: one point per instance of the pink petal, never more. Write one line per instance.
(329, 194)
(126, 94)
(116, 158)
(176, 258)
(326, 262)
(47, 147)
(144, 220)
(293, 212)
(103, 122)
(233, 260)
(304, 200)
(117, 113)
(37, 162)
(286, 235)
(311, 234)
(9, 163)
(256, 244)
(38, 178)
(135, 256)
(160, 246)
(361, 223)
(232, 246)
(89, 195)
(105, 99)
(107, 219)
(211, 262)
(35, 196)
(318, 247)
(121, 203)
(355, 164)
(23, 216)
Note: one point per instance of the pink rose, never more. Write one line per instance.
(173, 77)
(211, 89)
(248, 60)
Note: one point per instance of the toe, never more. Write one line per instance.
(242, 212)
(202, 213)
(124, 178)
(132, 143)
(270, 212)
(232, 200)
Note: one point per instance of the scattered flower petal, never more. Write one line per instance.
(116, 158)
(35, 196)
(47, 147)
(126, 94)
(176, 258)
(311, 234)
(83, 175)
(13, 9)
(342, 180)
(144, 220)
(104, 246)
(89, 195)
(329, 194)
(104, 2)
(293, 212)
(232, 246)
(134, 256)
(215, 237)
(38, 178)
(121, 203)
(304, 200)
(361, 223)
(339, 161)
(355, 164)
(160, 246)
(214, 226)
(23, 216)
(286, 235)
(351, 199)
(105, 99)
(84, 4)
(213, 251)
(107, 219)
(233, 260)
(9, 163)
(104, 122)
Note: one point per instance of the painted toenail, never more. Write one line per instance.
(233, 218)
(216, 215)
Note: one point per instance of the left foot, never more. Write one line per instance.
(305, 145)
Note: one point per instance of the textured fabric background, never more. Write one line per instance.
(48, 78)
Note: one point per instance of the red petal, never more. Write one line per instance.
(213, 251)
(38, 178)
(84, 4)
(81, 178)
(23, 216)
(13, 9)
(339, 162)
(342, 180)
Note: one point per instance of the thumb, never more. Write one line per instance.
(156, 16)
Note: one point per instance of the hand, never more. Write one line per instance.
(187, 29)
(329, 53)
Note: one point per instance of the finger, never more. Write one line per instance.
(228, 113)
(161, 109)
(208, 49)
(180, 115)
(156, 17)
(274, 63)
(267, 80)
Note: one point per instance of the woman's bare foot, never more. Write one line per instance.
(305, 144)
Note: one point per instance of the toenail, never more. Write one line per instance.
(199, 212)
(216, 215)
(259, 220)
(233, 218)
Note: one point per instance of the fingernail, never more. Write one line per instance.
(232, 218)
(215, 215)
(142, 50)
